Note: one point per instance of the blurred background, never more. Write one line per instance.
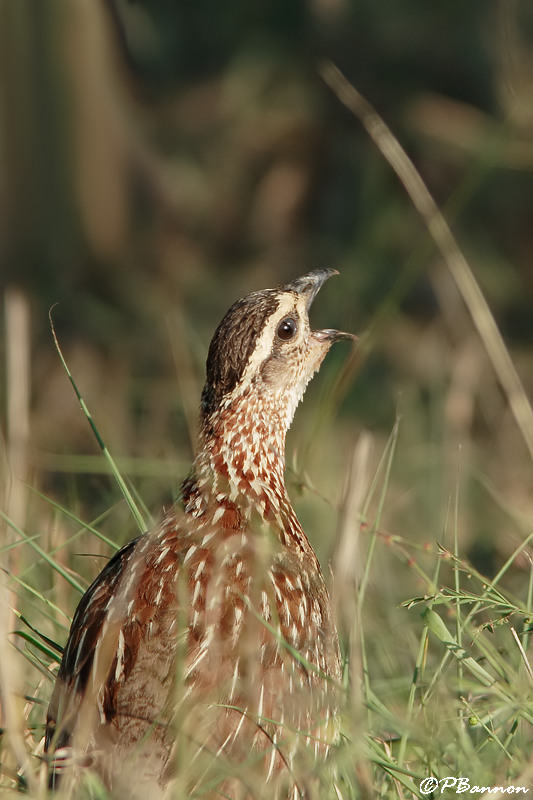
(161, 158)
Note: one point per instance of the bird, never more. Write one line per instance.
(204, 660)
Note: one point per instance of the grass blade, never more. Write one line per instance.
(113, 467)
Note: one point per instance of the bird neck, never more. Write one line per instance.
(242, 449)
(241, 461)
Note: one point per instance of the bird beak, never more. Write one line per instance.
(330, 335)
(309, 285)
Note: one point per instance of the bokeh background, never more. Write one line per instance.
(159, 159)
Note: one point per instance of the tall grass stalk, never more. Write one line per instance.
(110, 460)
(438, 228)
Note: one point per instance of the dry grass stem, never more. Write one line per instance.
(441, 234)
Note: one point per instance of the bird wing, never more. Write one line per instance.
(86, 632)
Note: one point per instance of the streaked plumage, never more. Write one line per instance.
(204, 660)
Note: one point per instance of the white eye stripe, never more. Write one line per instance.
(289, 306)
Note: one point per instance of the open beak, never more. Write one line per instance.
(308, 286)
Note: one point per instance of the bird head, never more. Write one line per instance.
(265, 347)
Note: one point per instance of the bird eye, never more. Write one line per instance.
(286, 329)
